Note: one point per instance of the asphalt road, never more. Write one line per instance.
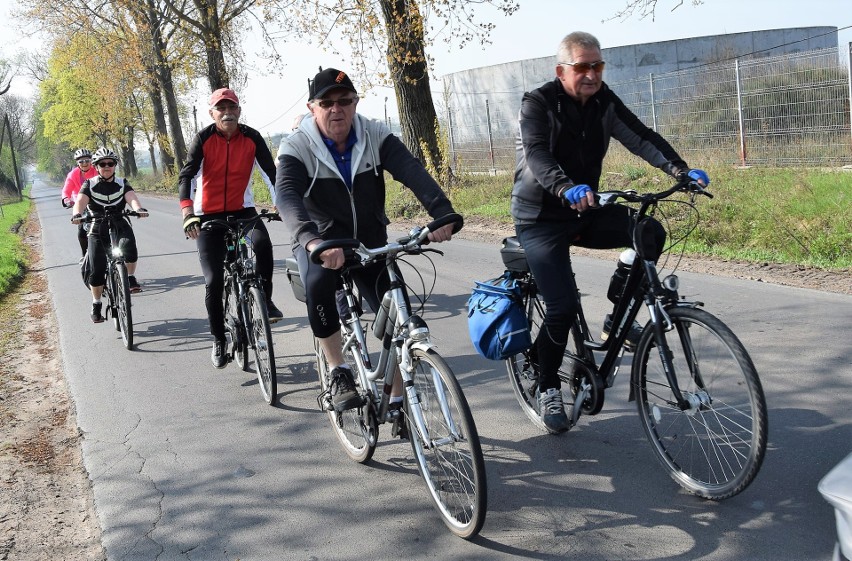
(187, 462)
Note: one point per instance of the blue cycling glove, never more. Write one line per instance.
(699, 174)
(576, 193)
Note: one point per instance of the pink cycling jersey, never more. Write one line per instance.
(75, 180)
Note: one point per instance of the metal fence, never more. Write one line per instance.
(785, 110)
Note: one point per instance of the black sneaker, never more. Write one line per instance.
(552, 411)
(633, 334)
(342, 387)
(273, 312)
(218, 355)
(96, 312)
(133, 285)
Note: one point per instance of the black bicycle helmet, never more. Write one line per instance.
(82, 153)
(104, 153)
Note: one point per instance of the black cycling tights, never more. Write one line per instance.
(98, 243)
(547, 246)
(211, 253)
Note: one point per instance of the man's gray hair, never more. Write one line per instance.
(576, 39)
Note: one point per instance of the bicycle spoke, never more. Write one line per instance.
(451, 462)
(715, 447)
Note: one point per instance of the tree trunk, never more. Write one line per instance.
(208, 14)
(152, 153)
(174, 152)
(410, 75)
(128, 153)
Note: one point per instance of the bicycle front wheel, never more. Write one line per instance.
(121, 305)
(356, 429)
(715, 447)
(451, 460)
(261, 339)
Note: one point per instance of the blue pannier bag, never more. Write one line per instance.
(496, 319)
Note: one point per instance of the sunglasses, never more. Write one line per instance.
(84, 161)
(329, 103)
(584, 67)
(106, 164)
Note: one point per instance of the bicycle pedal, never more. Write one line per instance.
(399, 429)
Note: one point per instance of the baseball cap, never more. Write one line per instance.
(223, 93)
(329, 79)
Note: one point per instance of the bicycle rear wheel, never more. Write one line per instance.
(261, 339)
(357, 429)
(523, 371)
(123, 316)
(451, 461)
(713, 449)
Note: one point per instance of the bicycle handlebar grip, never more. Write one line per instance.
(453, 218)
(332, 244)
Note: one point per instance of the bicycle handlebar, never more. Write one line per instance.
(232, 223)
(417, 237)
(94, 217)
(687, 185)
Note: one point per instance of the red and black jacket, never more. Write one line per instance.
(218, 173)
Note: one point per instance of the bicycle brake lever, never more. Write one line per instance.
(431, 250)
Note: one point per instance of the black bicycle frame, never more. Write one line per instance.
(642, 286)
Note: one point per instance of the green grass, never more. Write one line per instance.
(12, 253)
(785, 215)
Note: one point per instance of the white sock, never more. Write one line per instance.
(396, 399)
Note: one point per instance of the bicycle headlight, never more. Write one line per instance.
(417, 329)
(116, 251)
(671, 282)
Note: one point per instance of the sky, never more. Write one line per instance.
(274, 96)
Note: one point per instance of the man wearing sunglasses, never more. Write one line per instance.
(104, 191)
(73, 181)
(216, 182)
(565, 127)
(330, 185)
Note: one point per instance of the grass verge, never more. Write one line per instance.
(12, 252)
(786, 215)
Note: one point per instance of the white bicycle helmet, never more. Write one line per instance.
(104, 153)
(82, 153)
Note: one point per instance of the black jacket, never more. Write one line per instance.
(541, 176)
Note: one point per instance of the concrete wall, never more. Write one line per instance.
(502, 85)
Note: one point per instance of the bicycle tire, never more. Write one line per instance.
(523, 372)
(109, 290)
(357, 430)
(234, 325)
(121, 305)
(715, 448)
(261, 340)
(452, 465)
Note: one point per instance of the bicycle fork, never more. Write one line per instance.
(407, 370)
(655, 300)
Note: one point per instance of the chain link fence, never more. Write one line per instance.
(786, 110)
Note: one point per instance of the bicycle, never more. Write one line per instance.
(435, 416)
(244, 300)
(116, 287)
(697, 392)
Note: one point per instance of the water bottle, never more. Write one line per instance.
(619, 277)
